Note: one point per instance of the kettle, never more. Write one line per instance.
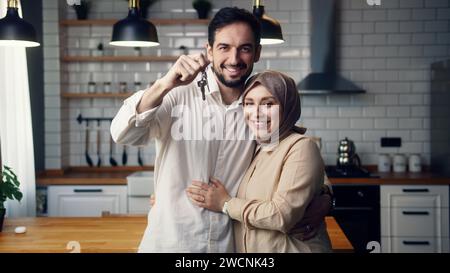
(347, 156)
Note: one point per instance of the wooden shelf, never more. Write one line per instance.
(69, 95)
(119, 59)
(110, 22)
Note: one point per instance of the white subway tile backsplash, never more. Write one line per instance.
(355, 135)
(387, 50)
(405, 135)
(443, 14)
(436, 26)
(398, 111)
(436, 3)
(411, 148)
(374, 39)
(410, 123)
(340, 124)
(347, 112)
(373, 135)
(411, 99)
(411, 3)
(374, 111)
(420, 135)
(374, 15)
(386, 27)
(399, 39)
(399, 14)
(420, 111)
(411, 26)
(386, 123)
(424, 14)
(361, 123)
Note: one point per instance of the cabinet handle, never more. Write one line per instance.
(87, 190)
(416, 190)
(416, 213)
(423, 243)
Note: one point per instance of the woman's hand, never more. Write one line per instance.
(206, 196)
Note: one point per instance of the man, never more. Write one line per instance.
(173, 112)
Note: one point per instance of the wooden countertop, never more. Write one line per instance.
(89, 176)
(117, 176)
(424, 178)
(99, 234)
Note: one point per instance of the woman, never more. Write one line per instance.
(285, 174)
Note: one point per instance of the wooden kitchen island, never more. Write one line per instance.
(99, 235)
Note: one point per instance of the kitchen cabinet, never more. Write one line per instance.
(86, 201)
(414, 218)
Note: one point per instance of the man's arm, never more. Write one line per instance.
(315, 213)
(146, 114)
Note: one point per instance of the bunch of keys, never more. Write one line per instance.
(202, 83)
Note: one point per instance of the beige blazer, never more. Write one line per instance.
(273, 196)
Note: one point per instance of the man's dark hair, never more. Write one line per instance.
(230, 15)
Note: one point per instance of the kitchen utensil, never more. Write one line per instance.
(112, 161)
(99, 157)
(414, 163)
(399, 163)
(384, 163)
(124, 156)
(141, 163)
(346, 146)
(347, 156)
(86, 152)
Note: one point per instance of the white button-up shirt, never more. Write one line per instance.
(195, 140)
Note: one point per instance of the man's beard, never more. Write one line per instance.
(233, 83)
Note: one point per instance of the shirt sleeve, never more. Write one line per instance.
(300, 179)
(133, 128)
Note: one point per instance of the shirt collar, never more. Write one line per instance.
(213, 87)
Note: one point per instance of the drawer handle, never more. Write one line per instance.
(422, 243)
(416, 190)
(87, 190)
(416, 213)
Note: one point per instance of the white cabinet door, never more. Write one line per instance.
(414, 245)
(414, 196)
(414, 218)
(86, 201)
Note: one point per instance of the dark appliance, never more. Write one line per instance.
(440, 118)
(357, 211)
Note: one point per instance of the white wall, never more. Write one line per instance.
(387, 50)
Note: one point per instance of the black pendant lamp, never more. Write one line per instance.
(134, 31)
(14, 31)
(270, 28)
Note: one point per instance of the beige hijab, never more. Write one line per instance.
(284, 89)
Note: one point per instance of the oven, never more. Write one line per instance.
(357, 211)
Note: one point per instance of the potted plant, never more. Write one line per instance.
(82, 9)
(203, 7)
(9, 189)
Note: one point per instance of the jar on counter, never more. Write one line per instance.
(92, 87)
(123, 87)
(384, 163)
(399, 163)
(137, 86)
(107, 87)
(414, 163)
